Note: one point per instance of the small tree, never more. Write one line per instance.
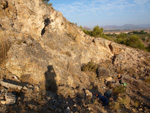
(97, 31)
(46, 1)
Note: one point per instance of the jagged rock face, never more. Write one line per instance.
(41, 37)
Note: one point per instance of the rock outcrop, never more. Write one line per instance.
(47, 50)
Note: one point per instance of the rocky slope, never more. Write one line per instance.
(41, 48)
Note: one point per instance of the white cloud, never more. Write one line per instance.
(141, 2)
(95, 6)
(99, 8)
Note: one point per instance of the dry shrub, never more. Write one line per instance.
(68, 53)
(91, 67)
(106, 64)
(119, 90)
(4, 47)
(121, 71)
(136, 103)
(116, 106)
(120, 105)
(148, 80)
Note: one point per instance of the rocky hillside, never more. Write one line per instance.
(41, 60)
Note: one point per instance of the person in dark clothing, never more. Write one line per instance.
(103, 99)
(108, 94)
(120, 79)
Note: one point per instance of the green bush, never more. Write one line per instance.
(132, 41)
(135, 42)
(138, 32)
(91, 66)
(121, 38)
(148, 48)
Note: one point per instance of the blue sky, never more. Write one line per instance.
(104, 12)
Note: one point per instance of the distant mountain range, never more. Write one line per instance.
(127, 26)
(123, 27)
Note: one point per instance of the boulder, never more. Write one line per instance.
(110, 79)
(10, 85)
(3, 102)
(103, 72)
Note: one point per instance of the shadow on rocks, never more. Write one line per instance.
(50, 82)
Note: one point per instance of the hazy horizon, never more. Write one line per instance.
(104, 12)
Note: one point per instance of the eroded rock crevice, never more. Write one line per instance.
(46, 23)
(3, 4)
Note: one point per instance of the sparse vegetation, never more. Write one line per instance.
(148, 80)
(91, 66)
(132, 41)
(47, 2)
(136, 103)
(119, 90)
(97, 31)
(135, 39)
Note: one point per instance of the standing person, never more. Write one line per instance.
(120, 78)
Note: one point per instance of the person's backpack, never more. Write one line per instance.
(108, 93)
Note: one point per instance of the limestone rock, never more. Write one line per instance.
(10, 98)
(3, 102)
(103, 72)
(10, 85)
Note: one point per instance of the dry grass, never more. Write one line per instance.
(136, 104)
(119, 90)
(131, 71)
(148, 80)
(116, 106)
(91, 67)
(4, 47)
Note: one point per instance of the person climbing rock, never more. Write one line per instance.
(120, 78)
(104, 99)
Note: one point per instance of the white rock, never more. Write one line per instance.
(3, 102)
(10, 85)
